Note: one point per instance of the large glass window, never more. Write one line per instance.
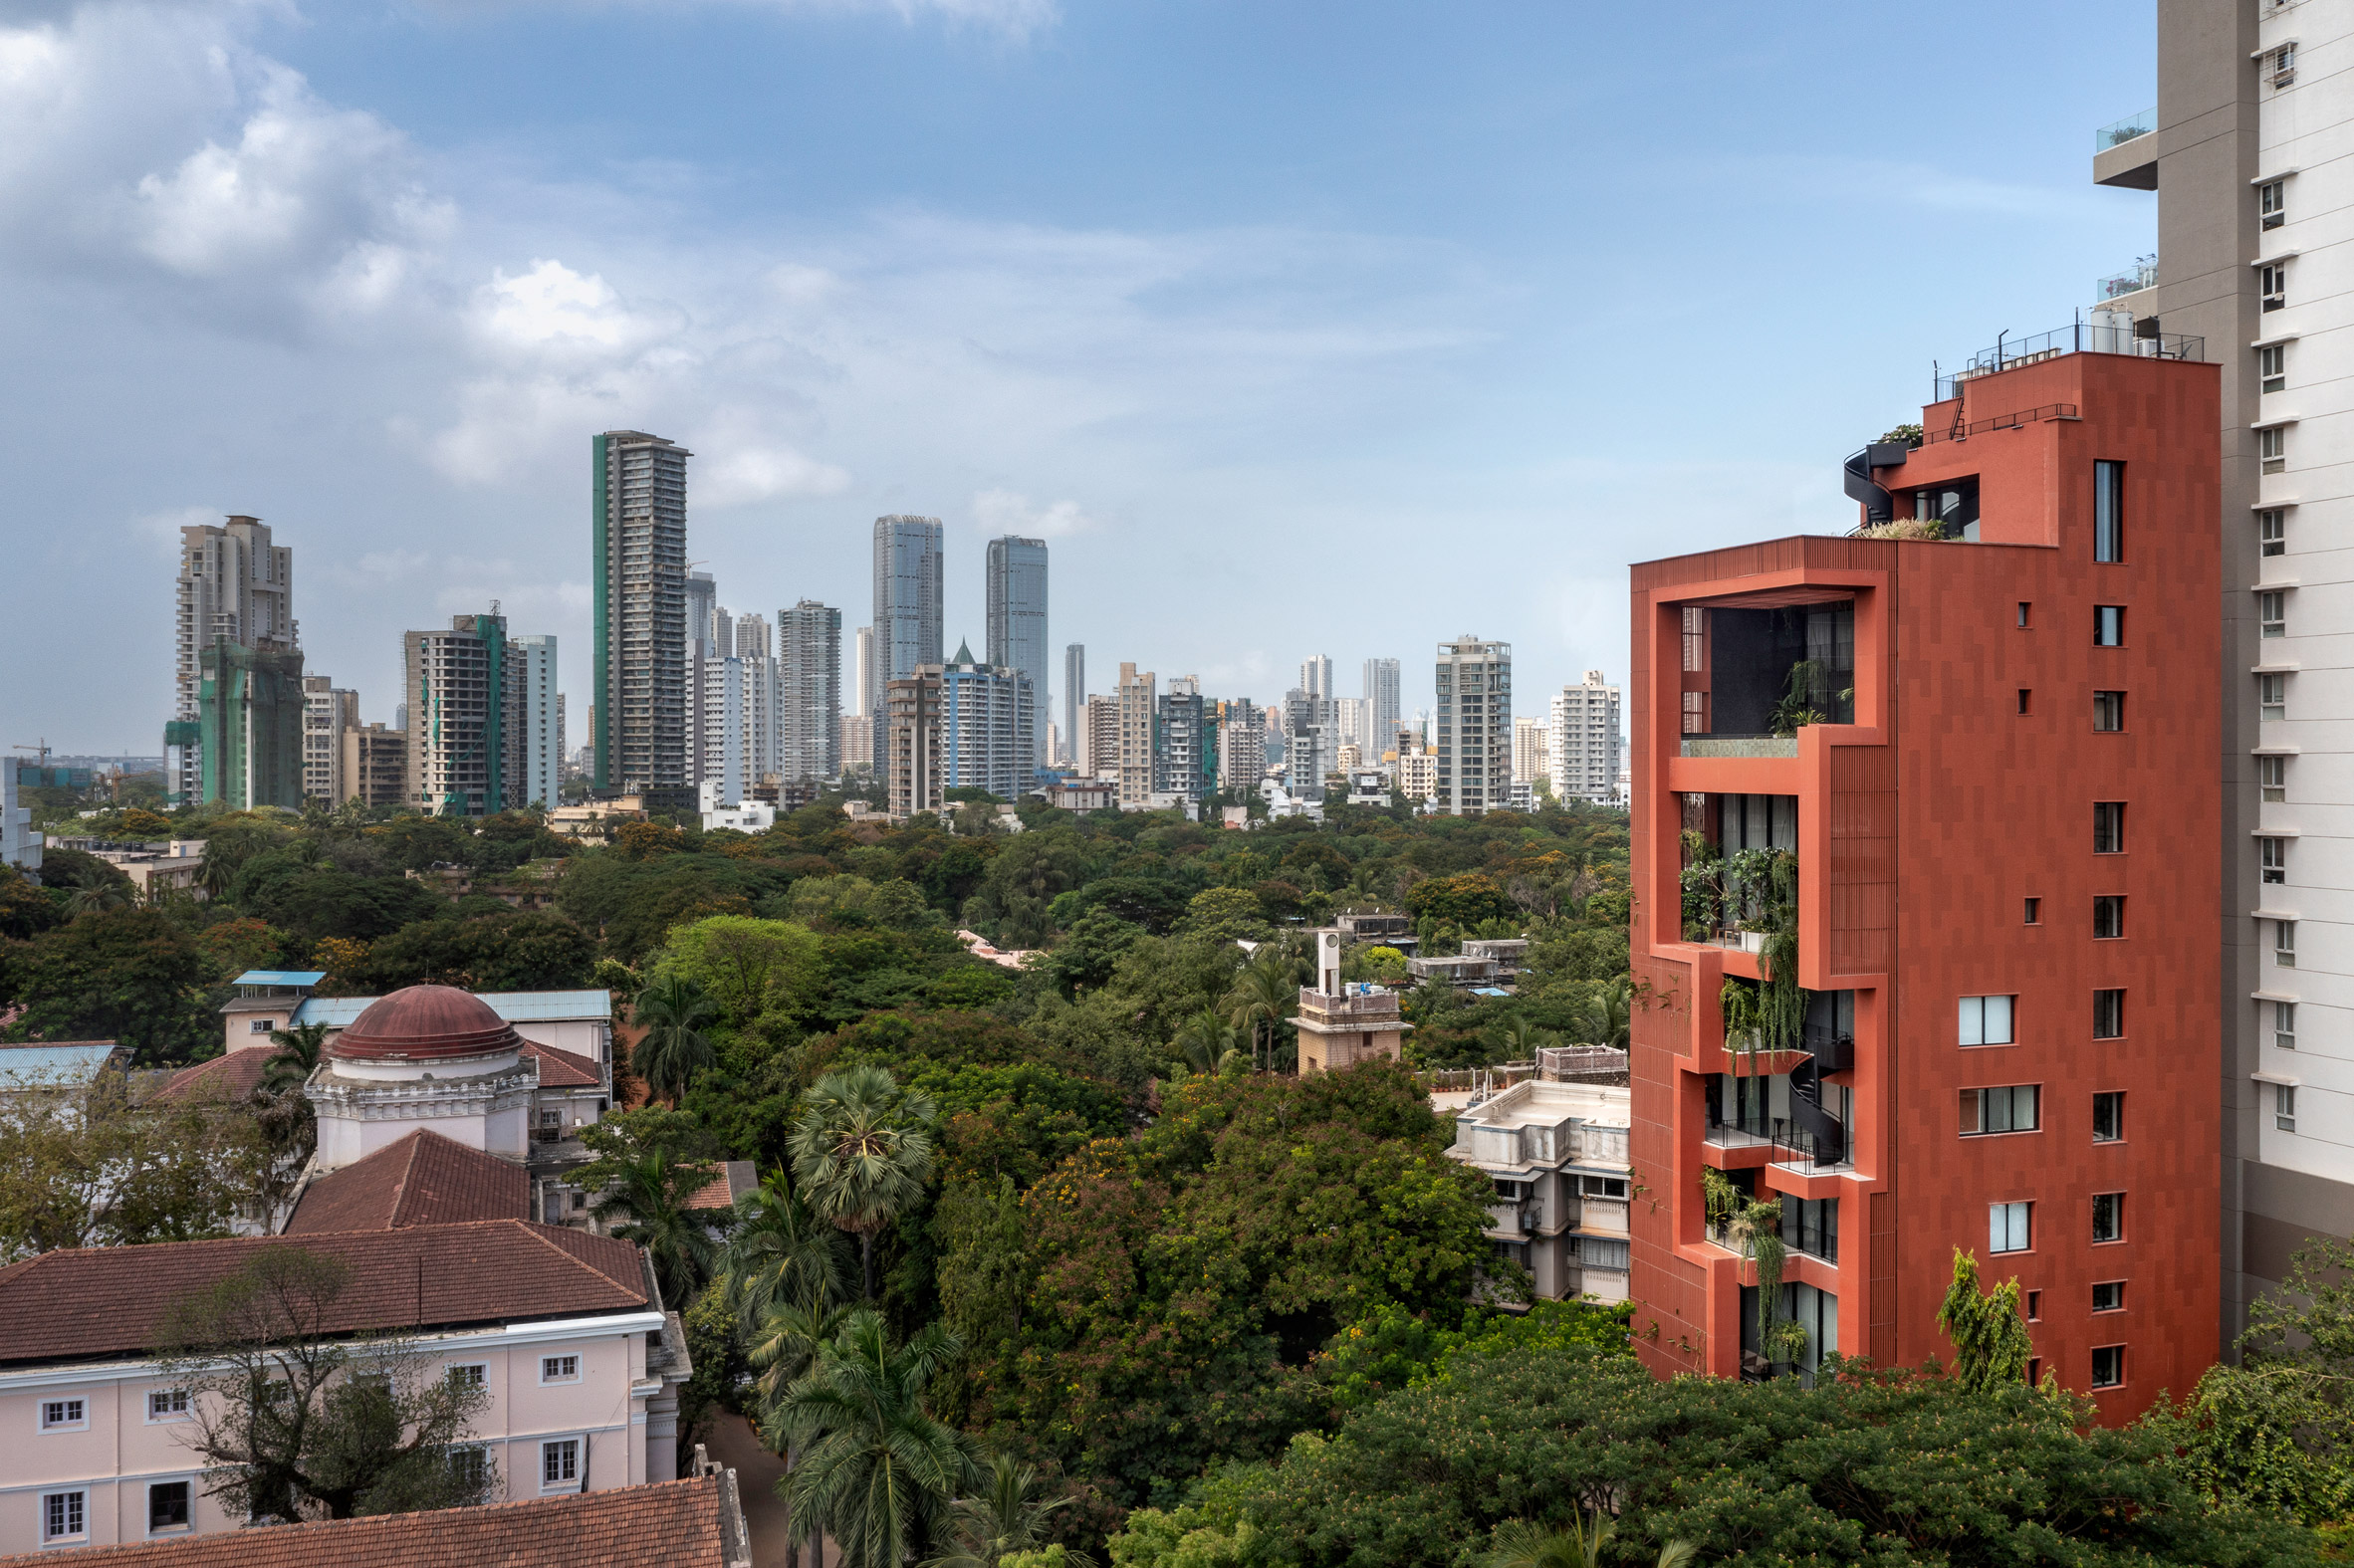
(2108, 1216)
(2108, 1116)
(1985, 1020)
(1811, 1226)
(2108, 511)
(2012, 1109)
(168, 1506)
(2010, 1227)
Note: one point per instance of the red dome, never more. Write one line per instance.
(424, 1022)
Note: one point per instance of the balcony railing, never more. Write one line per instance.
(1739, 745)
(2141, 275)
(1375, 1005)
(2130, 128)
(2078, 337)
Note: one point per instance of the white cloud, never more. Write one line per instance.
(1003, 512)
(1016, 19)
(741, 474)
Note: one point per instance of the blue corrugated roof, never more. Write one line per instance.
(281, 977)
(515, 1007)
(28, 1064)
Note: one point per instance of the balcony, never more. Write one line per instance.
(2125, 153)
(1739, 745)
(2117, 285)
(1371, 1005)
(2080, 337)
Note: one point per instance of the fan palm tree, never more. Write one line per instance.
(780, 1254)
(1265, 993)
(1522, 1544)
(1522, 1040)
(216, 872)
(861, 1154)
(673, 1009)
(876, 1469)
(647, 1206)
(1005, 1518)
(1207, 1043)
(1606, 1017)
(297, 1056)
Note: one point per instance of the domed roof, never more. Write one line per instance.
(425, 1022)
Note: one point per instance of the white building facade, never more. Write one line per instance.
(1587, 751)
(543, 720)
(1474, 745)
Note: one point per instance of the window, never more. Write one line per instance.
(1985, 1020)
(1810, 1226)
(2034, 911)
(560, 1369)
(59, 1415)
(2108, 1365)
(2271, 367)
(2108, 828)
(2272, 285)
(2010, 1226)
(2272, 207)
(2035, 1306)
(470, 1374)
(2273, 532)
(2108, 1014)
(2272, 777)
(2273, 859)
(2108, 710)
(2272, 445)
(2284, 1024)
(560, 1463)
(470, 1465)
(2108, 511)
(2282, 63)
(2025, 696)
(1601, 1186)
(2005, 1110)
(2108, 1116)
(2023, 614)
(2273, 613)
(168, 1405)
(2109, 1297)
(2285, 944)
(2285, 1106)
(1695, 713)
(2108, 916)
(1696, 640)
(64, 1515)
(2272, 696)
(168, 1506)
(2108, 625)
(2108, 1216)
(260, 1026)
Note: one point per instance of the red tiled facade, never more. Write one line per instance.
(1963, 785)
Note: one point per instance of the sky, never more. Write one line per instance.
(1295, 329)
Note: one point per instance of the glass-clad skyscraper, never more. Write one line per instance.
(1018, 614)
(906, 605)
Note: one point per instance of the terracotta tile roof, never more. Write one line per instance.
(424, 1179)
(232, 1077)
(735, 1179)
(560, 1069)
(669, 1525)
(88, 1302)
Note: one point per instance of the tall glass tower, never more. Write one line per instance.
(1018, 616)
(906, 606)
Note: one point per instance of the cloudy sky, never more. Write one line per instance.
(1335, 328)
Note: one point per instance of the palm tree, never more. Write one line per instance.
(1003, 1519)
(1522, 1544)
(860, 1153)
(649, 1201)
(1265, 993)
(297, 1056)
(782, 1347)
(1522, 1040)
(673, 1009)
(1207, 1043)
(1605, 1017)
(876, 1469)
(96, 898)
(780, 1254)
(216, 873)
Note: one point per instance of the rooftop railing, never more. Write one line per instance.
(2078, 337)
(2143, 274)
(2130, 128)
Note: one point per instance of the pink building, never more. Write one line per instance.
(567, 1331)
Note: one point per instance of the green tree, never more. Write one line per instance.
(745, 965)
(1265, 993)
(876, 1469)
(1522, 1544)
(1225, 913)
(647, 1203)
(127, 975)
(1090, 950)
(780, 1252)
(861, 1152)
(673, 1011)
(1207, 1043)
(1006, 1519)
(1991, 1343)
(299, 1050)
(290, 1415)
(1465, 899)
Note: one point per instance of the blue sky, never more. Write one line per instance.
(1298, 328)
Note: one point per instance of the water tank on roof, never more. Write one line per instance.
(2112, 333)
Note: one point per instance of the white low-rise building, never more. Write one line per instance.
(1556, 1146)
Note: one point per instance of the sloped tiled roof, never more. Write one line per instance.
(560, 1069)
(88, 1303)
(424, 1179)
(669, 1525)
(54, 1063)
(232, 1076)
(735, 1179)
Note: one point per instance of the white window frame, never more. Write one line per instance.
(2272, 202)
(2118, 1381)
(74, 1413)
(479, 1370)
(170, 1531)
(481, 1451)
(2271, 613)
(2285, 944)
(2273, 367)
(2010, 1227)
(2272, 695)
(80, 1496)
(2285, 1026)
(2272, 860)
(176, 1407)
(2284, 1107)
(2273, 449)
(564, 1367)
(579, 1443)
(2272, 777)
(1976, 1024)
(2272, 531)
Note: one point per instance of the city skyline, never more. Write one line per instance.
(1148, 372)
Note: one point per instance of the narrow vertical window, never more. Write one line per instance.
(2285, 944)
(2272, 531)
(2108, 711)
(2023, 614)
(2034, 911)
(2026, 701)
(2108, 916)
(2272, 208)
(2108, 828)
(2272, 696)
(2272, 777)
(2108, 1116)
(2272, 448)
(2285, 1026)
(2108, 511)
(2273, 613)
(2108, 1014)
(2273, 367)
(2108, 625)
(2285, 1106)
(2272, 286)
(2273, 859)
(1696, 636)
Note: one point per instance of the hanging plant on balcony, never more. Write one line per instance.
(1752, 1227)
(1772, 1014)
(1703, 880)
(1797, 707)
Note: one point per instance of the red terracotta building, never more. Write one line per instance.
(2002, 808)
